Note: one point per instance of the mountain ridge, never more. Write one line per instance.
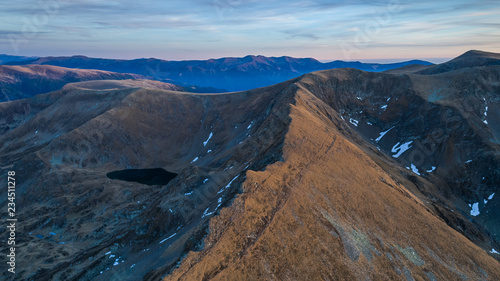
(260, 237)
(231, 73)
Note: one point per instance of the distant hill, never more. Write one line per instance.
(8, 58)
(231, 74)
(17, 82)
(24, 81)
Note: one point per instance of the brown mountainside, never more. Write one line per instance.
(329, 212)
(336, 175)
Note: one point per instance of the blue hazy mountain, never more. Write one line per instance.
(230, 74)
(8, 58)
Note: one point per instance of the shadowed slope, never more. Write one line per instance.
(73, 214)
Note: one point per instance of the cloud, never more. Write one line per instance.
(252, 26)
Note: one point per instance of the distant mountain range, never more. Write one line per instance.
(24, 81)
(226, 74)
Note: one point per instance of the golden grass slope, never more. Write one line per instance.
(329, 212)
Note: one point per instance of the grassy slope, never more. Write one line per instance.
(328, 212)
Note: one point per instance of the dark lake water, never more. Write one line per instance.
(157, 176)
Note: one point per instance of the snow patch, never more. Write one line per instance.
(468, 161)
(189, 193)
(431, 170)
(209, 137)
(382, 134)
(354, 121)
(132, 266)
(475, 209)
(493, 251)
(205, 180)
(206, 213)
(384, 107)
(400, 149)
(228, 185)
(195, 159)
(486, 108)
(250, 126)
(414, 169)
(218, 205)
(168, 238)
(491, 196)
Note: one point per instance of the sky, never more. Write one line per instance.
(388, 30)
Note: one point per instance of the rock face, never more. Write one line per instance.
(228, 74)
(336, 175)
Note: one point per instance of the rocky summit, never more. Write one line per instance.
(339, 174)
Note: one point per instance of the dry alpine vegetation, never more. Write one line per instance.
(315, 178)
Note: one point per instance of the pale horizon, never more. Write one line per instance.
(363, 60)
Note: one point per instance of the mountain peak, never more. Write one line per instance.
(479, 53)
(472, 58)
